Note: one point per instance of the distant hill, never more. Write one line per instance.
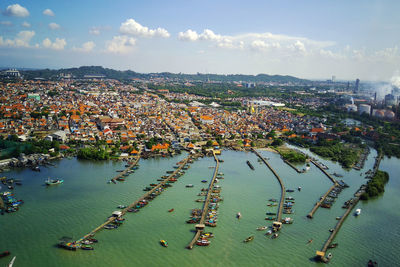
(128, 74)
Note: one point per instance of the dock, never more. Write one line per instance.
(133, 164)
(280, 209)
(293, 166)
(335, 184)
(143, 197)
(1, 204)
(200, 226)
(320, 255)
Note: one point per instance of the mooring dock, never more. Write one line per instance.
(335, 183)
(143, 197)
(133, 164)
(320, 255)
(200, 226)
(280, 209)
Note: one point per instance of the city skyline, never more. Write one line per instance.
(311, 40)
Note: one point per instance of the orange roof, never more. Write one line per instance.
(160, 146)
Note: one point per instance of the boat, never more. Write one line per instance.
(87, 247)
(171, 210)
(4, 254)
(250, 238)
(12, 262)
(262, 228)
(250, 165)
(329, 256)
(54, 181)
(110, 226)
(337, 174)
(290, 190)
(338, 217)
(189, 185)
(331, 230)
(270, 213)
(269, 232)
(275, 235)
(121, 206)
(207, 235)
(334, 245)
(203, 242)
(113, 181)
(358, 212)
(238, 215)
(299, 188)
(204, 181)
(164, 243)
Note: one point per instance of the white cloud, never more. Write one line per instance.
(58, 44)
(6, 23)
(26, 24)
(16, 11)
(188, 35)
(86, 47)
(94, 31)
(21, 40)
(133, 28)
(48, 12)
(54, 26)
(120, 44)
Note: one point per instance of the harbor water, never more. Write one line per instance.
(85, 200)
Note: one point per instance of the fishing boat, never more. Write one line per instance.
(270, 213)
(204, 181)
(87, 247)
(238, 215)
(4, 254)
(110, 226)
(250, 238)
(189, 185)
(334, 245)
(290, 190)
(329, 256)
(54, 181)
(358, 212)
(262, 228)
(275, 235)
(250, 165)
(269, 232)
(202, 242)
(299, 188)
(171, 210)
(207, 235)
(164, 243)
(121, 206)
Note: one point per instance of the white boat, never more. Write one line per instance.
(12, 262)
(262, 228)
(189, 185)
(53, 181)
(358, 212)
(238, 215)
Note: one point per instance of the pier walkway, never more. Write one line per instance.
(143, 197)
(200, 226)
(280, 209)
(321, 254)
(1, 203)
(122, 174)
(335, 183)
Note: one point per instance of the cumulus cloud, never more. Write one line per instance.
(58, 44)
(120, 44)
(16, 11)
(188, 35)
(86, 47)
(21, 40)
(48, 12)
(133, 28)
(6, 23)
(26, 24)
(94, 31)
(54, 26)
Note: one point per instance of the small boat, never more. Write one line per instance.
(203, 242)
(238, 215)
(250, 238)
(334, 245)
(289, 190)
(331, 230)
(338, 217)
(189, 185)
(12, 261)
(309, 241)
(250, 165)
(269, 232)
(299, 188)
(121, 206)
(87, 247)
(204, 181)
(275, 235)
(270, 213)
(329, 256)
(262, 228)
(54, 181)
(171, 210)
(110, 226)
(4, 254)
(164, 243)
(358, 212)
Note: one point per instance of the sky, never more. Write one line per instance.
(313, 39)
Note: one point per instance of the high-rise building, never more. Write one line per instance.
(333, 78)
(356, 86)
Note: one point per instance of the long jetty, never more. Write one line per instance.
(133, 164)
(200, 226)
(321, 254)
(1, 203)
(280, 209)
(143, 197)
(335, 183)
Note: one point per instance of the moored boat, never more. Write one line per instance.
(238, 215)
(171, 210)
(262, 228)
(4, 254)
(250, 238)
(358, 212)
(164, 243)
(54, 181)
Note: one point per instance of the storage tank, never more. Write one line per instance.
(365, 109)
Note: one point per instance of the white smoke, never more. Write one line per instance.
(395, 81)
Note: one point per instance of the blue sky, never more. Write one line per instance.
(309, 39)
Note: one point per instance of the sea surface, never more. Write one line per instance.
(85, 200)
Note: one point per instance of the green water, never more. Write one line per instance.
(85, 200)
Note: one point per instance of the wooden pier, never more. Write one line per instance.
(320, 255)
(143, 197)
(200, 226)
(1, 204)
(133, 164)
(335, 183)
(280, 209)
